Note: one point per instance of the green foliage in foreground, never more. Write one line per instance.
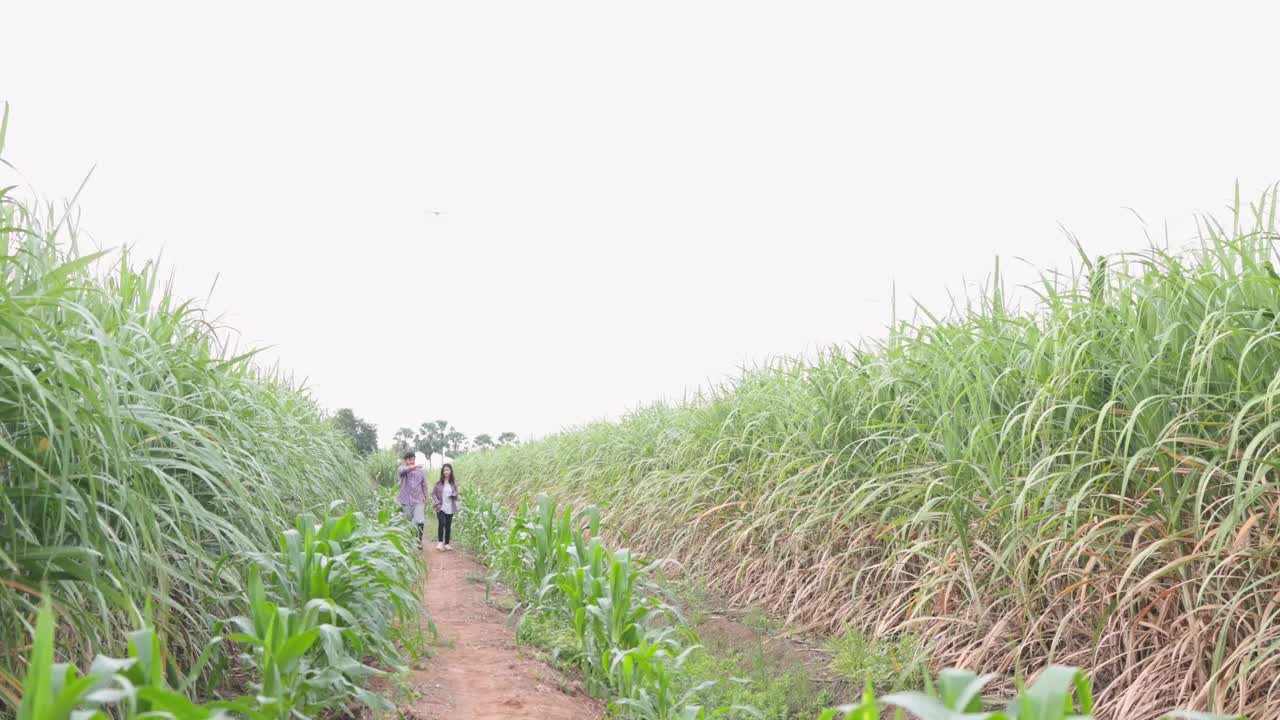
(1074, 484)
(318, 610)
(139, 454)
(595, 610)
(1059, 693)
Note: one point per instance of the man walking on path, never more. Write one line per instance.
(413, 492)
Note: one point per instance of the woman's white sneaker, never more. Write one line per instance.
(448, 547)
(439, 546)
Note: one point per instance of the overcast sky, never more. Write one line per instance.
(636, 198)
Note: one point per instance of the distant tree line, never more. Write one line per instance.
(436, 436)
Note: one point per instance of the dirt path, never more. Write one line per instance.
(479, 672)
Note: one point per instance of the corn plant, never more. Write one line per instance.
(127, 688)
(648, 680)
(337, 584)
(486, 529)
(631, 646)
(363, 571)
(278, 640)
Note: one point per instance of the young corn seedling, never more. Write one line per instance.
(114, 688)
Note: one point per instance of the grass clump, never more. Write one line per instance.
(758, 620)
(893, 664)
(774, 692)
(549, 632)
(690, 595)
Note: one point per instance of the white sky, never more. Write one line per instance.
(638, 198)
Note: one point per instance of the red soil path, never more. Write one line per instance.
(479, 672)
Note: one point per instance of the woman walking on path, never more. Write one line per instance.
(445, 498)
(413, 492)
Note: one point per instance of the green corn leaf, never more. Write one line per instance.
(298, 645)
(37, 688)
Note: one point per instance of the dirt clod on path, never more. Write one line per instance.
(478, 671)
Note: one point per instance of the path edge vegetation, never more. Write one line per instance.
(178, 526)
(1090, 482)
(327, 611)
(631, 646)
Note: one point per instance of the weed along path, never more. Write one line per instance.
(478, 672)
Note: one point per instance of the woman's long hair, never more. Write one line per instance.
(453, 479)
